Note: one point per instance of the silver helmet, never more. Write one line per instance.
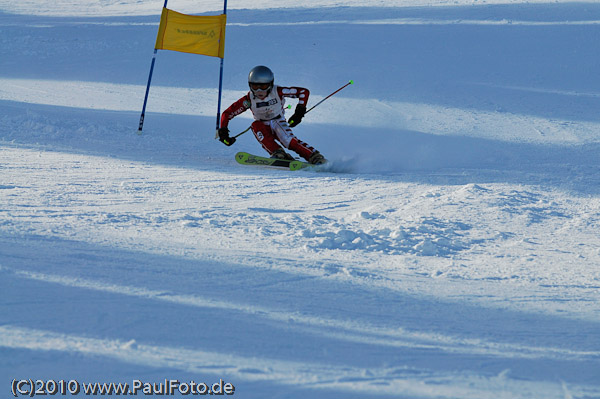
(261, 78)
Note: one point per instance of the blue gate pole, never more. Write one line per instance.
(220, 80)
(148, 87)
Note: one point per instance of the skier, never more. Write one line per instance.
(266, 101)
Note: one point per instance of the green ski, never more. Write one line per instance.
(245, 158)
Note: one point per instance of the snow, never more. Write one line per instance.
(148, 7)
(451, 249)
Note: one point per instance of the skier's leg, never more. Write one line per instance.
(287, 138)
(263, 133)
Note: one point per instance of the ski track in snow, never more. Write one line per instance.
(450, 250)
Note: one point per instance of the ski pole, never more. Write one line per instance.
(313, 107)
(338, 90)
(239, 134)
(233, 137)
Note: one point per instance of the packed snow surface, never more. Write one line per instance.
(449, 250)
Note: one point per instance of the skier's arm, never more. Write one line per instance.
(301, 94)
(234, 110)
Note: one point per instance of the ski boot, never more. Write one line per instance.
(281, 154)
(317, 158)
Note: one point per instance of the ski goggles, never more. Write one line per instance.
(260, 86)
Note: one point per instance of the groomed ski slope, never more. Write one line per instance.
(450, 251)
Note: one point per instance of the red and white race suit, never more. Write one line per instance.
(270, 126)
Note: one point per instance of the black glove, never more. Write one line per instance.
(298, 115)
(224, 136)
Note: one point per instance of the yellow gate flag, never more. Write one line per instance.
(197, 34)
